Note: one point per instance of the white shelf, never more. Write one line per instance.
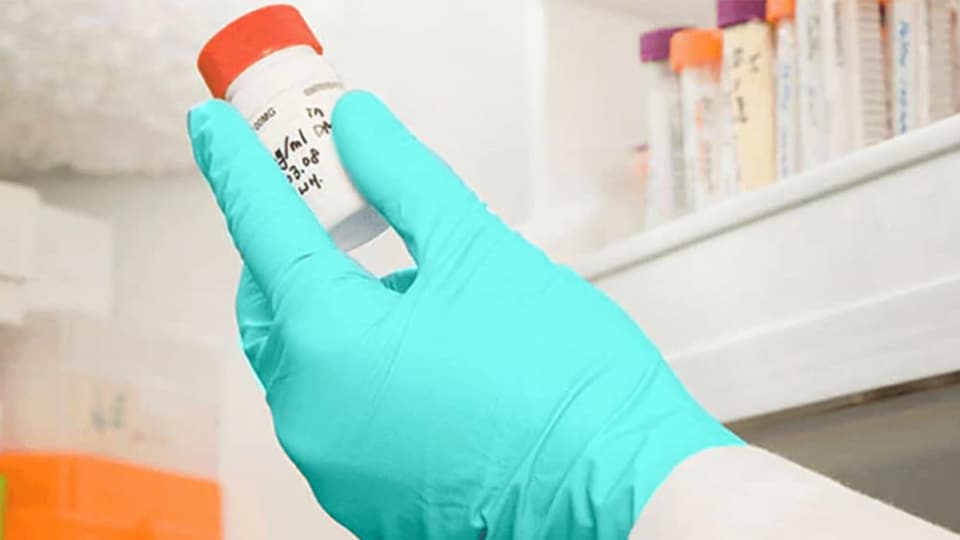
(844, 279)
(18, 207)
(73, 263)
(51, 258)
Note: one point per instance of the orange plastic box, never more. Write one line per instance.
(69, 497)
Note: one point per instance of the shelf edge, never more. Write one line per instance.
(860, 346)
(863, 166)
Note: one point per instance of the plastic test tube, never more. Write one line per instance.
(921, 44)
(955, 51)
(782, 15)
(696, 54)
(856, 102)
(887, 61)
(748, 79)
(667, 191)
(813, 143)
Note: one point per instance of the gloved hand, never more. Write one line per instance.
(489, 393)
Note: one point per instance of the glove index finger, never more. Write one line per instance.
(271, 226)
(415, 190)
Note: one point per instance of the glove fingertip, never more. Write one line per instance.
(200, 116)
(363, 126)
(202, 123)
(358, 103)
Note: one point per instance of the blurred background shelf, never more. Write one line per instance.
(843, 279)
(687, 11)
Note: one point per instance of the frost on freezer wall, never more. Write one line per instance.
(102, 86)
(91, 86)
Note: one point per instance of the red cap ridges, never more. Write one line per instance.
(248, 39)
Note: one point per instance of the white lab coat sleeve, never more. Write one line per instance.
(746, 493)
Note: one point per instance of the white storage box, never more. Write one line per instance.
(78, 384)
(18, 209)
(73, 263)
(12, 301)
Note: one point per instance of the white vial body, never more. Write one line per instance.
(788, 109)
(813, 141)
(856, 102)
(288, 97)
(704, 119)
(668, 194)
(922, 56)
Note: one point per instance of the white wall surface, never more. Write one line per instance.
(460, 74)
(592, 115)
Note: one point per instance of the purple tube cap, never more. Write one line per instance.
(655, 44)
(733, 12)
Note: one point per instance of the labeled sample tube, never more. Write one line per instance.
(667, 190)
(955, 51)
(748, 80)
(813, 140)
(696, 55)
(856, 102)
(782, 15)
(922, 43)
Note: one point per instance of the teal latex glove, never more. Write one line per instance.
(489, 392)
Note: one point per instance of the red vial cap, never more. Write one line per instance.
(248, 39)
